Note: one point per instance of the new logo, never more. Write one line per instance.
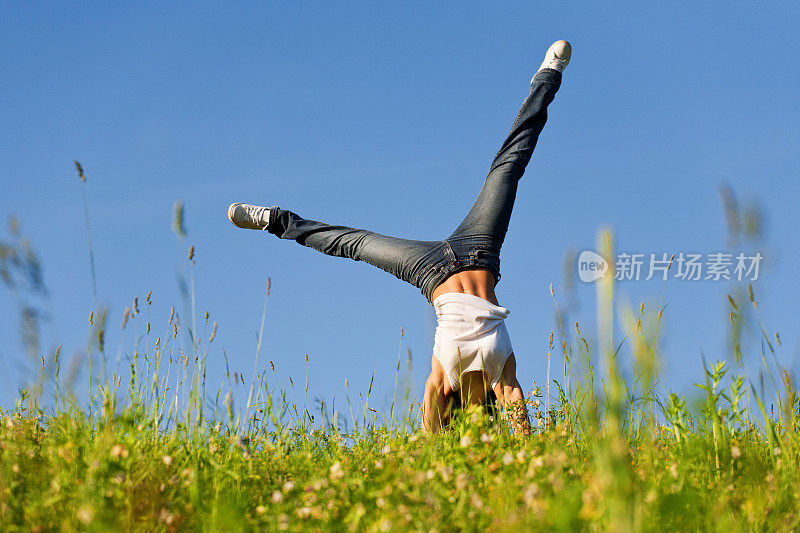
(591, 266)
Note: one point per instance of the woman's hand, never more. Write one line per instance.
(509, 394)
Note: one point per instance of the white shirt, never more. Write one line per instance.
(470, 335)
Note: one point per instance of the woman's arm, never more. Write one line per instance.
(435, 414)
(509, 394)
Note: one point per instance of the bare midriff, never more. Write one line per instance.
(477, 282)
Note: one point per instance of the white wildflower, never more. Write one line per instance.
(476, 501)
(336, 471)
(85, 513)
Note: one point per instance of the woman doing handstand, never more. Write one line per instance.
(457, 275)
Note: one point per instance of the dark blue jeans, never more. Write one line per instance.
(474, 244)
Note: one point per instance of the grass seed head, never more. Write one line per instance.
(81, 175)
(177, 220)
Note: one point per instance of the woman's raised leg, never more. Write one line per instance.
(487, 221)
(406, 259)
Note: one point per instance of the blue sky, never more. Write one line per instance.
(387, 118)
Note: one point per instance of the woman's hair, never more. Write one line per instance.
(489, 405)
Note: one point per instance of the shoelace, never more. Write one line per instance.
(257, 213)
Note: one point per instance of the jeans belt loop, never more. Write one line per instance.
(450, 253)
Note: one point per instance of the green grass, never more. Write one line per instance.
(613, 456)
(611, 450)
(64, 472)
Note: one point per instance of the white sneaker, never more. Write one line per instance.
(248, 216)
(557, 56)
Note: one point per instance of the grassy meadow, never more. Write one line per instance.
(156, 447)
